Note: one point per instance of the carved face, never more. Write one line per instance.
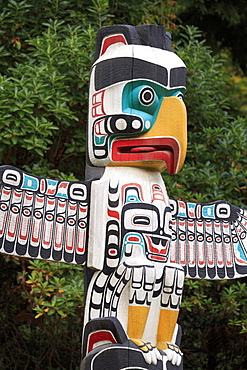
(146, 225)
(136, 113)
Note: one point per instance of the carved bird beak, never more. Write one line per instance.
(163, 146)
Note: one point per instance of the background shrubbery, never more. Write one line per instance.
(46, 50)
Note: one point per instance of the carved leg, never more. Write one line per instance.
(170, 303)
(166, 327)
(137, 318)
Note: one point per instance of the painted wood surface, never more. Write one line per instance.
(136, 243)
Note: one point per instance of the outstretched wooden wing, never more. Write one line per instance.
(209, 240)
(43, 218)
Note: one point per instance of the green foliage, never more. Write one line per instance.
(224, 23)
(46, 50)
(41, 315)
(216, 163)
(56, 288)
(213, 314)
(159, 12)
(44, 99)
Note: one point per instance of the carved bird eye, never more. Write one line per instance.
(147, 96)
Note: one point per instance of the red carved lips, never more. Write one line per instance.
(164, 149)
(158, 248)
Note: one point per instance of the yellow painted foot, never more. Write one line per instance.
(150, 353)
(172, 351)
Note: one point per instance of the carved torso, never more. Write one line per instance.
(132, 226)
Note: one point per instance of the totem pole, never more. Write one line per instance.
(136, 242)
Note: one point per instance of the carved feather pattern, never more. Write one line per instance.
(43, 218)
(209, 240)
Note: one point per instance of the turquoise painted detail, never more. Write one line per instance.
(191, 207)
(182, 214)
(132, 198)
(30, 183)
(139, 241)
(131, 100)
(62, 195)
(241, 252)
(100, 140)
(52, 182)
(208, 211)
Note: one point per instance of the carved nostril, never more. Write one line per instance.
(121, 124)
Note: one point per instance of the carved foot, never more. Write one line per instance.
(150, 353)
(172, 351)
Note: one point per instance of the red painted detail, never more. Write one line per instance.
(198, 211)
(138, 186)
(80, 250)
(4, 207)
(63, 185)
(70, 236)
(59, 237)
(110, 40)
(6, 192)
(72, 207)
(3, 225)
(157, 193)
(113, 214)
(40, 200)
(164, 149)
(112, 252)
(12, 222)
(133, 239)
(210, 255)
(29, 197)
(26, 212)
(99, 336)
(142, 149)
(157, 258)
(97, 128)
(191, 212)
(81, 241)
(182, 254)
(98, 104)
(42, 185)
(24, 230)
(51, 191)
(156, 253)
(47, 235)
(191, 251)
(37, 214)
(240, 260)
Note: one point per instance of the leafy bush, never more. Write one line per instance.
(46, 51)
(213, 313)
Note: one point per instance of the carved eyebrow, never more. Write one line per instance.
(112, 71)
